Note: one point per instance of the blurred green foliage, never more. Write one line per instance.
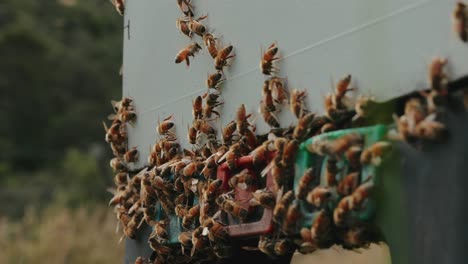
(58, 71)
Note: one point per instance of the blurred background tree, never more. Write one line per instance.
(58, 70)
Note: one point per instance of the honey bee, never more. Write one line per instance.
(116, 133)
(360, 236)
(119, 6)
(185, 53)
(180, 210)
(250, 139)
(414, 111)
(278, 91)
(125, 104)
(118, 150)
(192, 135)
(165, 126)
(296, 103)
(234, 209)
(124, 193)
(430, 129)
(353, 155)
(117, 165)
(185, 7)
(210, 43)
(222, 251)
(266, 63)
(348, 184)
(263, 198)
(281, 207)
(268, 117)
(279, 144)
(290, 151)
(212, 190)
(131, 155)
(185, 239)
(211, 102)
(221, 58)
(459, 20)
(259, 155)
(336, 148)
(216, 230)
(197, 108)
(331, 172)
(158, 247)
(232, 156)
(293, 215)
(125, 116)
(361, 194)
(198, 240)
(228, 132)
(190, 216)
(305, 182)
(327, 128)
(319, 196)
(182, 26)
(242, 180)
(267, 97)
(308, 245)
(141, 260)
(342, 87)
(283, 247)
(160, 229)
(303, 124)
(374, 153)
(204, 127)
(196, 27)
(209, 170)
(342, 211)
(153, 158)
(331, 109)
(241, 119)
(266, 245)
(132, 226)
(214, 80)
(361, 106)
(437, 76)
(121, 178)
(192, 169)
(322, 230)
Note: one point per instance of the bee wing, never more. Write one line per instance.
(192, 252)
(111, 190)
(105, 126)
(253, 202)
(279, 194)
(430, 117)
(141, 222)
(223, 157)
(267, 168)
(248, 248)
(112, 117)
(242, 186)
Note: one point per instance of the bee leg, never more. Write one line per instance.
(187, 61)
(216, 113)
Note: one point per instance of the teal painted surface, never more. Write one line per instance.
(387, 206)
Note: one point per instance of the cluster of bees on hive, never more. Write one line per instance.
(184, 182)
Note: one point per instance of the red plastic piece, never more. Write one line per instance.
(262, 226)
